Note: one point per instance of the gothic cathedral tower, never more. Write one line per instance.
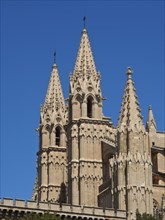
(52, 146)
(85, 129)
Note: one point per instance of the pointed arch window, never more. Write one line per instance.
(89, 107)
(58, 134)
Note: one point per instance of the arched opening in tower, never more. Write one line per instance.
(58, 131)
(89, 107)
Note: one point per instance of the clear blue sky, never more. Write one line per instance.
(122, 34)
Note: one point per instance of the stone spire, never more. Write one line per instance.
(130, 113)
(151, 124)
(54, 101)
(85, 81)
(85, 64)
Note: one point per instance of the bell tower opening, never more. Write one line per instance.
(58, 131)
(89, 107)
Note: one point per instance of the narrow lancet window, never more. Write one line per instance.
(58, 136)
(89, 107)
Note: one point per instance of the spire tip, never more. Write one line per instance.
(129, 72)
(149, 107)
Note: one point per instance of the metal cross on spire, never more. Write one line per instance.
(54, 56)
(84, 21)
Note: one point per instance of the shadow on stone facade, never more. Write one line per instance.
(62, 196)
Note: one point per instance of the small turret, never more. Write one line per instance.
(151, 124)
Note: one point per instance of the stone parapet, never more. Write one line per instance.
(21, 206)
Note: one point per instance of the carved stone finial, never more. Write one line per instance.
(149, 107)
(129, 72)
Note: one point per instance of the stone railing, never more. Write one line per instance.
(63, 210)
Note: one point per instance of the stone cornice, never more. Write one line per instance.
(90, 121)
(49, 149)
